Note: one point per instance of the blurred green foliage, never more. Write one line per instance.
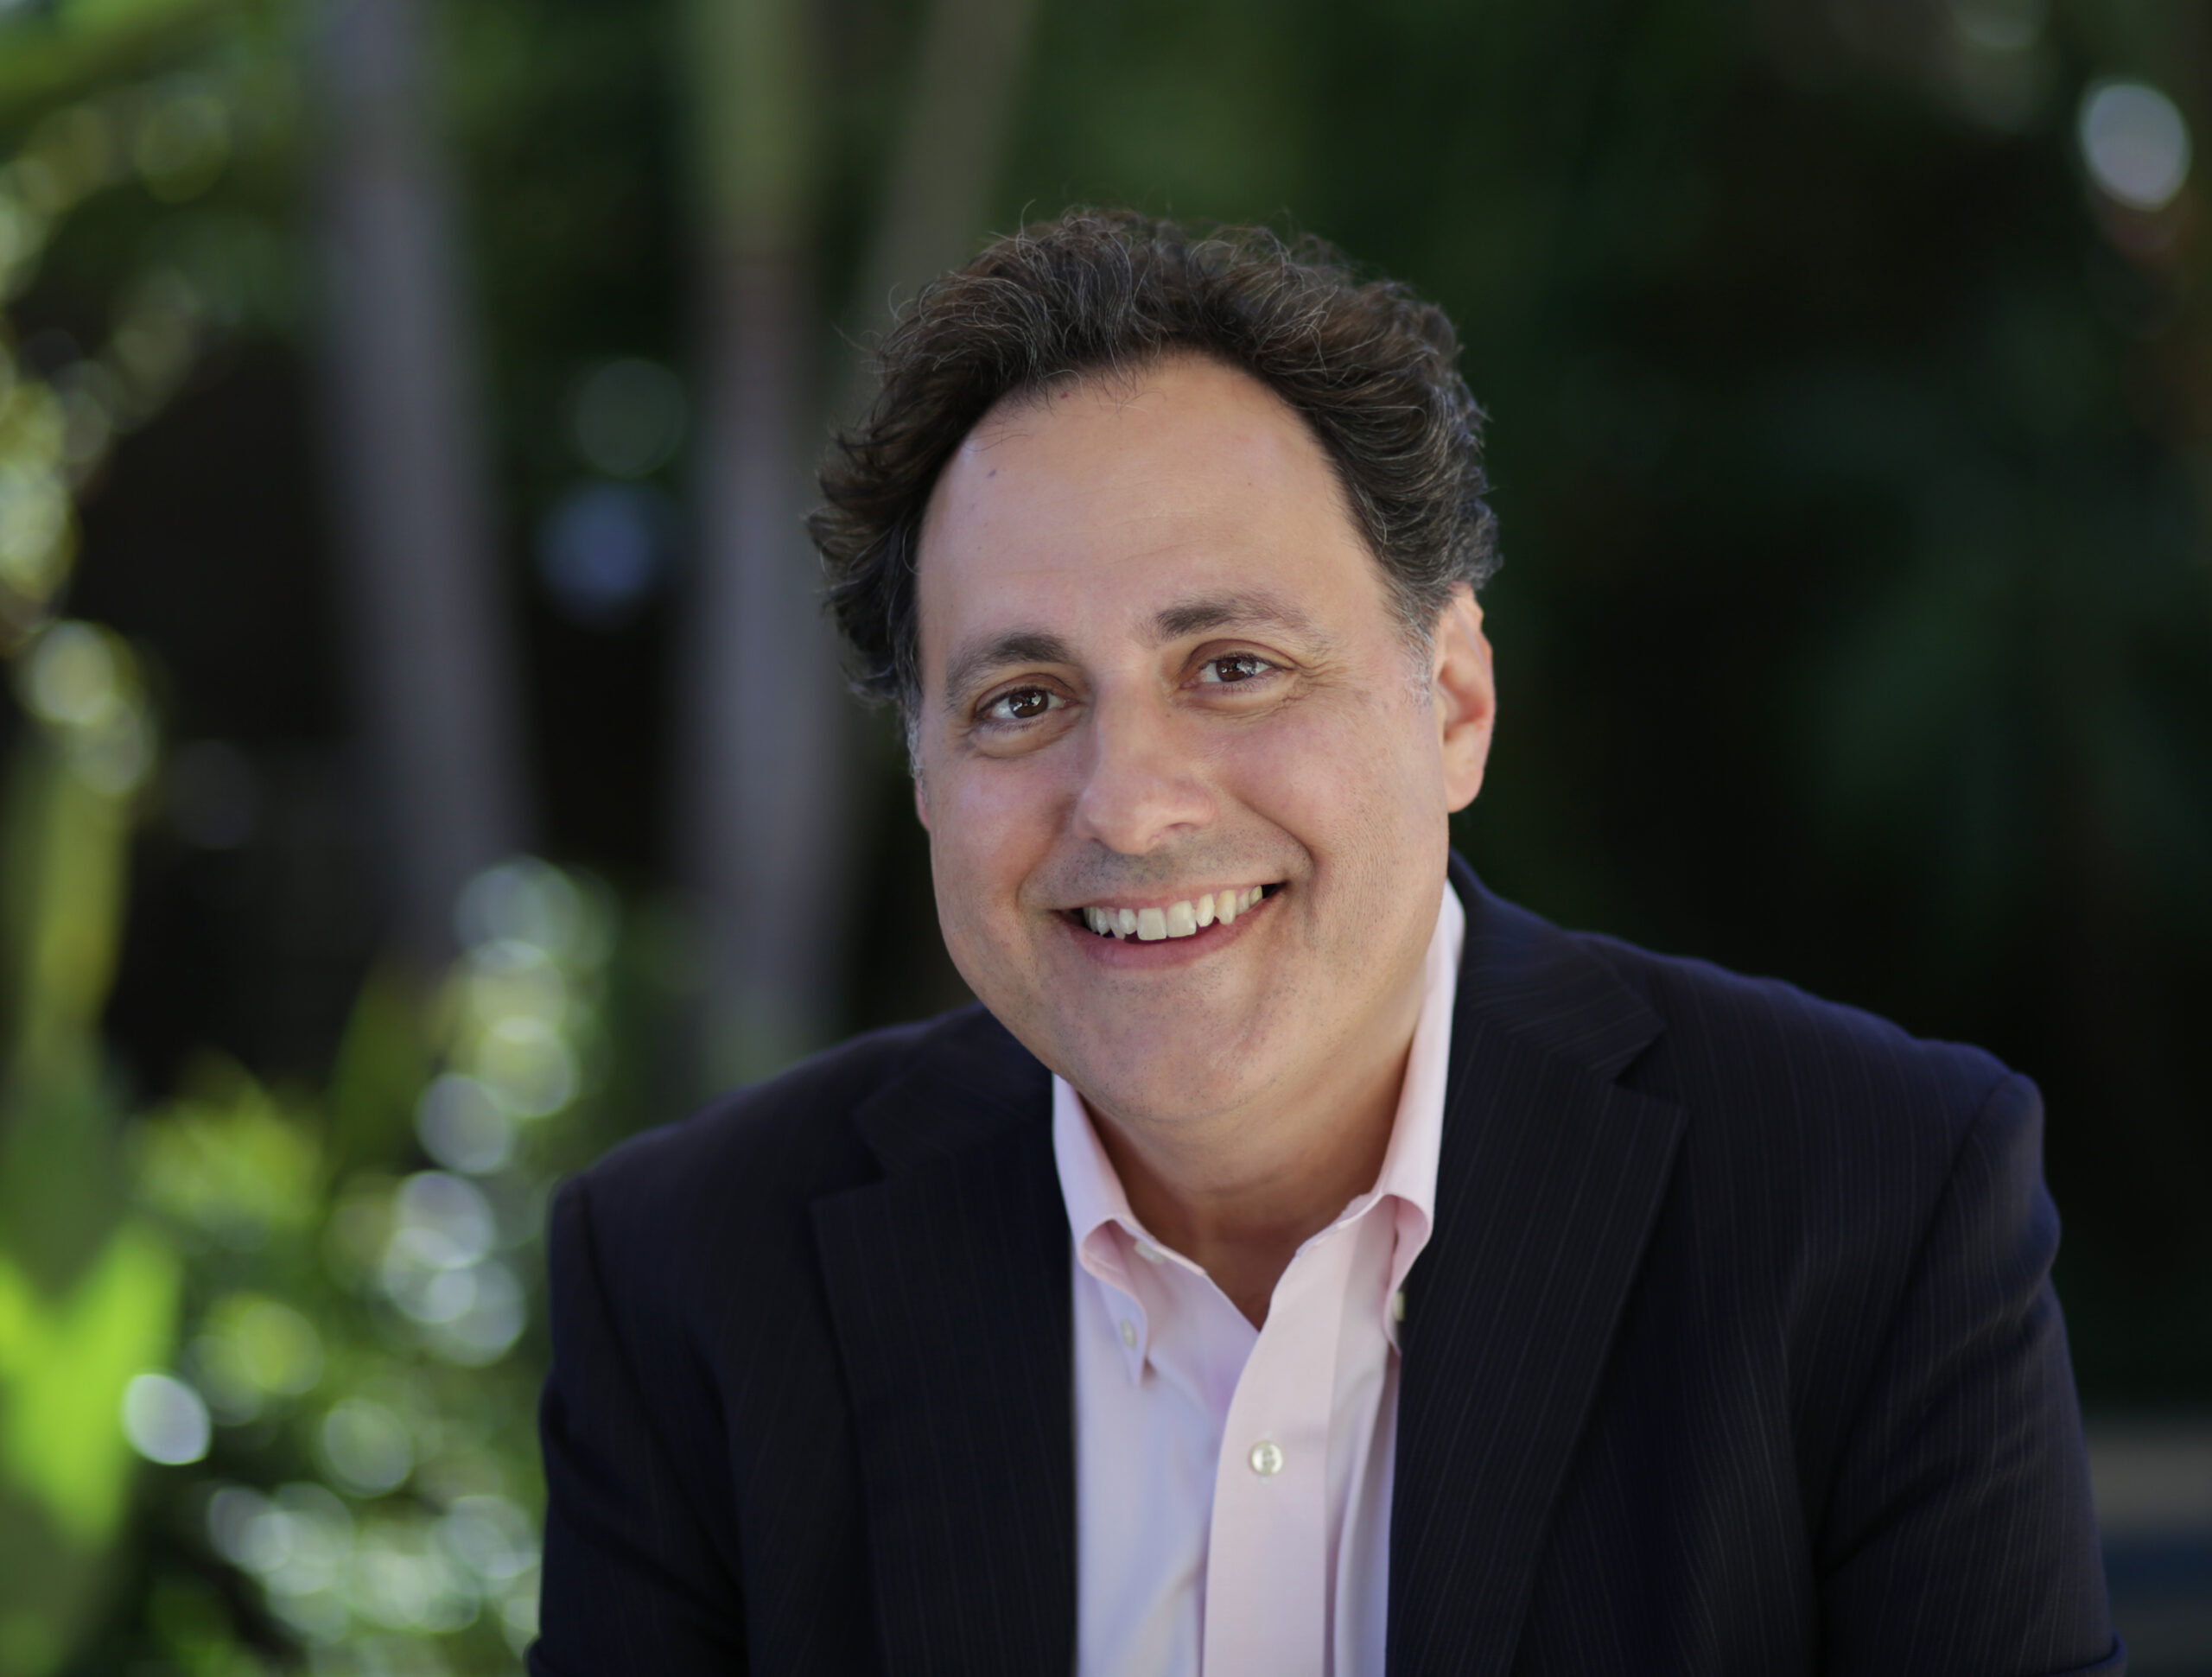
(338, 1356)
(90, 1284)
(363, 1334)
(88, 1289)
(331, 1353)
(335, 1356)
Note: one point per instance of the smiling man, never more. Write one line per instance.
(1301, 1261)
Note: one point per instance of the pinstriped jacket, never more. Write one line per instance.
(1734, 1350)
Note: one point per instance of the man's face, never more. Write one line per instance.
(1160, 666)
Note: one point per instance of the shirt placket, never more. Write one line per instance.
(1267, 1592)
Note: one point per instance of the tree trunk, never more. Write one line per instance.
(433, 665)
(763, 755)
(952, 144)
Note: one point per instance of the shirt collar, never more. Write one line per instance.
(1408, 1172)
(1096, 1201)
(1096, 1205)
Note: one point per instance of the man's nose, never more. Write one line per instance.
(1144, 777)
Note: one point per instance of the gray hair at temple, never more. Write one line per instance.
(1369, 366)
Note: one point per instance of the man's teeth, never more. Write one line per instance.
(1150, 925)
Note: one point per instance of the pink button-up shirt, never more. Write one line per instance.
(1233, 1484)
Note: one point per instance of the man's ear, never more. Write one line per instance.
(921, 803)
(1466, 692)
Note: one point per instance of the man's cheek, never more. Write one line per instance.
(999, 827)
(1311, 780)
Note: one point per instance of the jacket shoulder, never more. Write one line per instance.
(781, 1126)
(740, 1174)
(1734, 1039)
(1827, 1140)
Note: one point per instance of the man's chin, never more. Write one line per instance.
(1176, 1055)
(1160, 1089)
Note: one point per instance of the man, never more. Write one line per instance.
(1302, 1262)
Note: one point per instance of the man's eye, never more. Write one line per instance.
(1233, 668)
(1024, 704)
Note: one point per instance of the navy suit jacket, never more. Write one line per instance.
(1734, 1350)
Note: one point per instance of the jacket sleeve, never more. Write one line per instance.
(635, 1579)
(1959, 1536)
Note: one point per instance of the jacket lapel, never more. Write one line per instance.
(1549, 1181)
(947, 1283)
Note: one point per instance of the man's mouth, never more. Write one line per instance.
(1156, 923)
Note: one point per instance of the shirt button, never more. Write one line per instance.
(1398, 1305)
(1266, 1458)
(1150, 1252)
(1130, 1334)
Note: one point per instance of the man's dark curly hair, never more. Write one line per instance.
(1368, 366)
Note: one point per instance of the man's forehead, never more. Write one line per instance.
(1098, 435)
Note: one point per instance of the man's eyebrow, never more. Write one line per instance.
(1014, 646)
(1257, 610)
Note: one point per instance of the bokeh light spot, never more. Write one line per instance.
(2135, 143)
(526, 1065)
(165, 1419)
(71, 153)
(274, 1347)
(462, 1128)
(182, 144)
(490, 1318)
(604, 548)
(234, 1515)
(523, 901)
(114, 756)
(34, 519)
(23, 236)
(366, 1447)
(519, 1616)
(154, 344)
(71, 679)
(627, 417)
(402, 1579)
(433, 1202)
(512, 978)
(491, 1536)
(2000, 26)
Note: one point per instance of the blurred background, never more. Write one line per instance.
(424, 763)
